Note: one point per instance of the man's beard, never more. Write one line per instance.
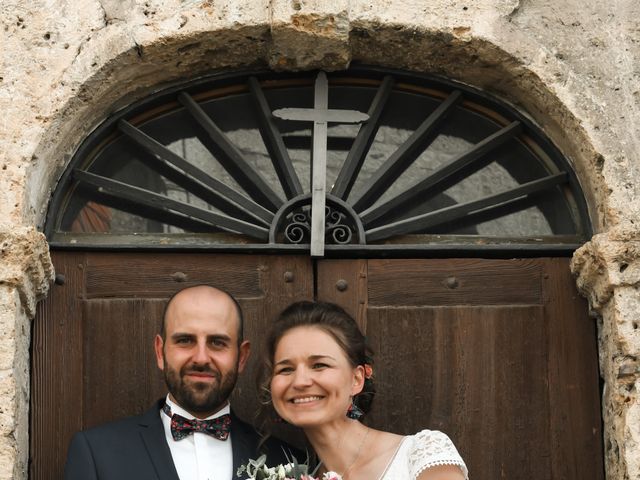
(200, 397)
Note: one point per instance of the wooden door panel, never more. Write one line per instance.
(93, 336)
(499, 354)
(471, 281)
(119, 358)
(159, 276)
(476, 373)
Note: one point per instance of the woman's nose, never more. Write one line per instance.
(301, 377)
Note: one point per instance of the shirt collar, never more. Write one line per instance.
(175, 408)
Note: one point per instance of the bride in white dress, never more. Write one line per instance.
(319, 377)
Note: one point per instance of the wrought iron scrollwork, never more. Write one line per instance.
(292, 224)
(298, 230)
(341, 233)
(337, 229)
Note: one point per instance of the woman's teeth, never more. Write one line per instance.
(305, 399)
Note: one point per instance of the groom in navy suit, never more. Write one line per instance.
(192, 433)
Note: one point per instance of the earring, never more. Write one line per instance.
(354, 411)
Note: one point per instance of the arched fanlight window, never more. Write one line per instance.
(394, 162)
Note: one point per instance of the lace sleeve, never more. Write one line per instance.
(432, 448)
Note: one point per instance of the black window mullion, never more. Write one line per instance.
(275, 144)
(486, 215)
(229, 156)
(454, 212)
(147, 212)
(367, 133)
(455, 171)
(405, 155)
(142, 196)
(193, 179)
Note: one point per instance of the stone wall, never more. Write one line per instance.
(25, 273)
(572, 65)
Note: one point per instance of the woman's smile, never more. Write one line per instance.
(301, 400)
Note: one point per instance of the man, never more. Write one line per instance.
(201, 352)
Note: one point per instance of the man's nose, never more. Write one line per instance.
(201, 353)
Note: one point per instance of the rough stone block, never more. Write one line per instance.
(605, 262)
(14, 385)
(9, 311)
(307, 35)
(25, 264)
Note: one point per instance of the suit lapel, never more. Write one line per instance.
(243, 442)
(152, 433)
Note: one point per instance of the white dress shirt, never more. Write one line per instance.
(199, 456)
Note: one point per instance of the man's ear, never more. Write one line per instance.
(243, 354)
(158, 345)
(358, 380)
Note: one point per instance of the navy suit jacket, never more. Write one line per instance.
(136, 448)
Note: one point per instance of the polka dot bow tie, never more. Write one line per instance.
(181, 427)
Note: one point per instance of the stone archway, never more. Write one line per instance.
(119, 51)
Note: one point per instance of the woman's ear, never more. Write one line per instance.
(358, 380)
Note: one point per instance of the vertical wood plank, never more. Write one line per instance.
(576, 436)
(57, 370)
(119, 358)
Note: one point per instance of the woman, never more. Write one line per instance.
(318, 374)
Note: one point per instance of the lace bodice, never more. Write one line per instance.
(425, 449)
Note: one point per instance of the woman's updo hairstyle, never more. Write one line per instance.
(333, 320)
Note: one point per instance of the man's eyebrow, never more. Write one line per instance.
(216, 336)
(182, 335)
(219, 336)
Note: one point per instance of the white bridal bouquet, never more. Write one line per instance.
(258, 470)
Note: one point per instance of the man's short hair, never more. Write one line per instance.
(163, 332)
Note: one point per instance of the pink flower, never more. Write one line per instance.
(331, 476)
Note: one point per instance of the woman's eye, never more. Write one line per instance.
(318, 366)
(284, 371)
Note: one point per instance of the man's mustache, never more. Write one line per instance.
(189, 369)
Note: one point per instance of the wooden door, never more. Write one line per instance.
(499, 354)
